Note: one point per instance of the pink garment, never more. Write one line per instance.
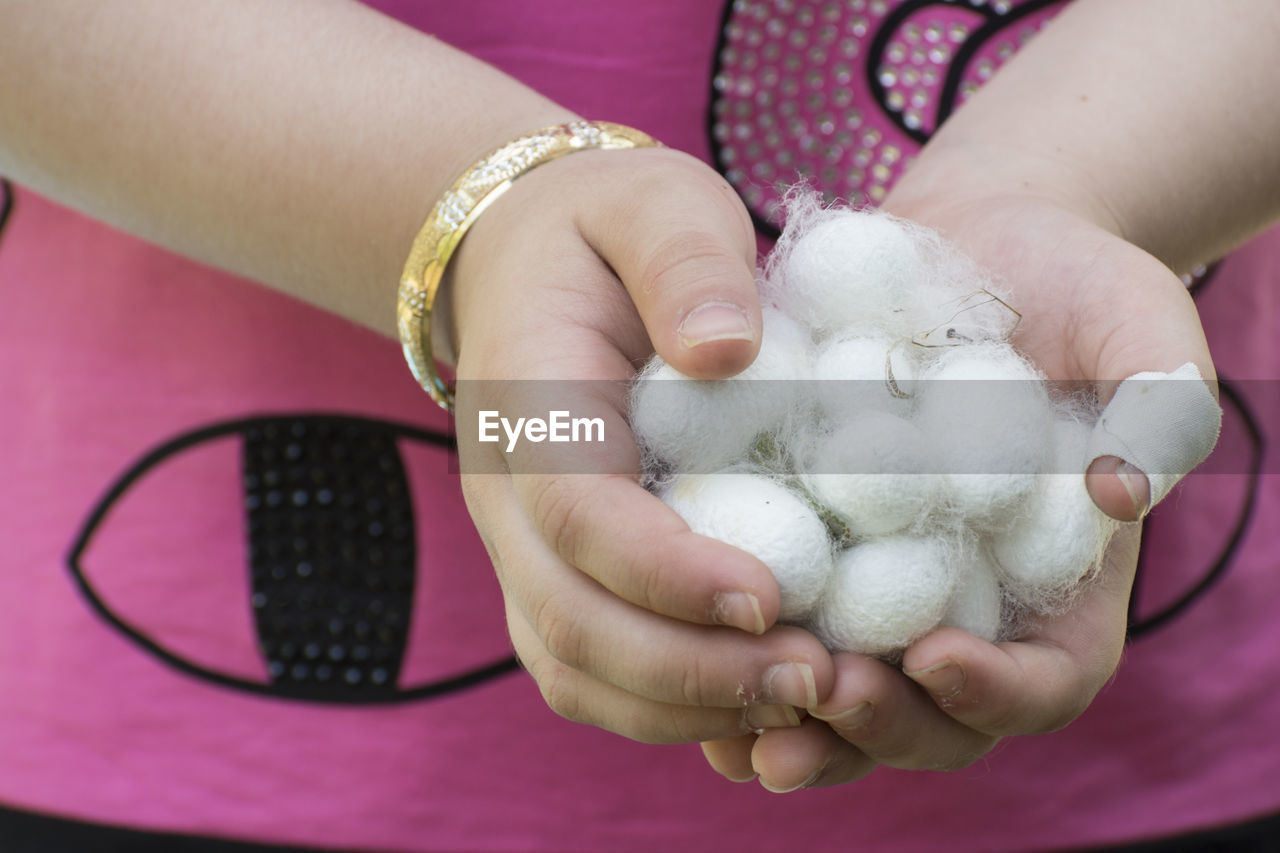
(109, 348)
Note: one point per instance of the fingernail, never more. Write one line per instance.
(761, 717)
(851, 720)
(944, 680)
(806, 783)
(739, 610)
(715, 321)
(790, 684)
(1135, 483)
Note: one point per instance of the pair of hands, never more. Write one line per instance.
(629, 621)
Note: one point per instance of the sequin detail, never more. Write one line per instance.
(843, 94)
(331, 553)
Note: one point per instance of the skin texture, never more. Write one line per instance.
(1050, 177)
(196, 126)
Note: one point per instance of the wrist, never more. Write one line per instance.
(969, 173)
(444, 333)
(453, 215)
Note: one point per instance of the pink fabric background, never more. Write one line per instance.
(108, 347)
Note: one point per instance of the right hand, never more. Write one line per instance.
(626, 619)
(1095, 309)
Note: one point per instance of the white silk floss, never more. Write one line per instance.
(895, 462)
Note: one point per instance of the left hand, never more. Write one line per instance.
(1094, 308)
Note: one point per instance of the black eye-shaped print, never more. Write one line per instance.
(998, 29)
(1211, 522)
(324, 583)
(843, 94)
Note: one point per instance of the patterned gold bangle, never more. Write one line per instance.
(459, 208)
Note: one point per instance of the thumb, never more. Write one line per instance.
(1157, 427)
(1161, 417)
(684, 247)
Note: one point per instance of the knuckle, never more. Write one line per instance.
(560, 633)
(559, 507)
(559, 689)
(684, 260)
(691, 682)
(654, 585)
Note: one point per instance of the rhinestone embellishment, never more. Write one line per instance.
(843, 94)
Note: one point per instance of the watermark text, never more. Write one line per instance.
(558, 426)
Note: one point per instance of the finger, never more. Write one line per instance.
(587, 628)
(1119, 488)
(639, 549)
(1136, 317)
(1158, 424)
(607, 525)
(525, 269)
(685, 249)
(1043, 682)
(583, 699)
(809, 756)
(889, 719)
(604, 523)
(731, 757)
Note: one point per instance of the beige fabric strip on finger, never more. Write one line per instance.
(1165, 424)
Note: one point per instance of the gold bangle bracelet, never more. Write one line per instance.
(459, 208)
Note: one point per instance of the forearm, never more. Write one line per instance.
(299, 144)
(1156, 117)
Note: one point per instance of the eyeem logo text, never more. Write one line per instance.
(559, 426)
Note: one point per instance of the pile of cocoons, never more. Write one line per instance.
(889, 455)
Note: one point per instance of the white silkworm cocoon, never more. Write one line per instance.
(786, 350)
(856, 374)
(766, 520)
(975, 606)
(884, 594)
(1061, 534)
(874, 473)
(928, 437)
(703, 426)
(853, 271)
(987, 417)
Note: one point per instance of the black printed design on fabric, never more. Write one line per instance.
(331, 557)
(771, 121)
(1234, 406)
(331, 547)
(6, 205)
(998, 17)
(763, 142)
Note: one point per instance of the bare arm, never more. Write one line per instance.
(1156, 118)
(297, 144)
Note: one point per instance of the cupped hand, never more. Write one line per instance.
(1094, 308)
(625, 618)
